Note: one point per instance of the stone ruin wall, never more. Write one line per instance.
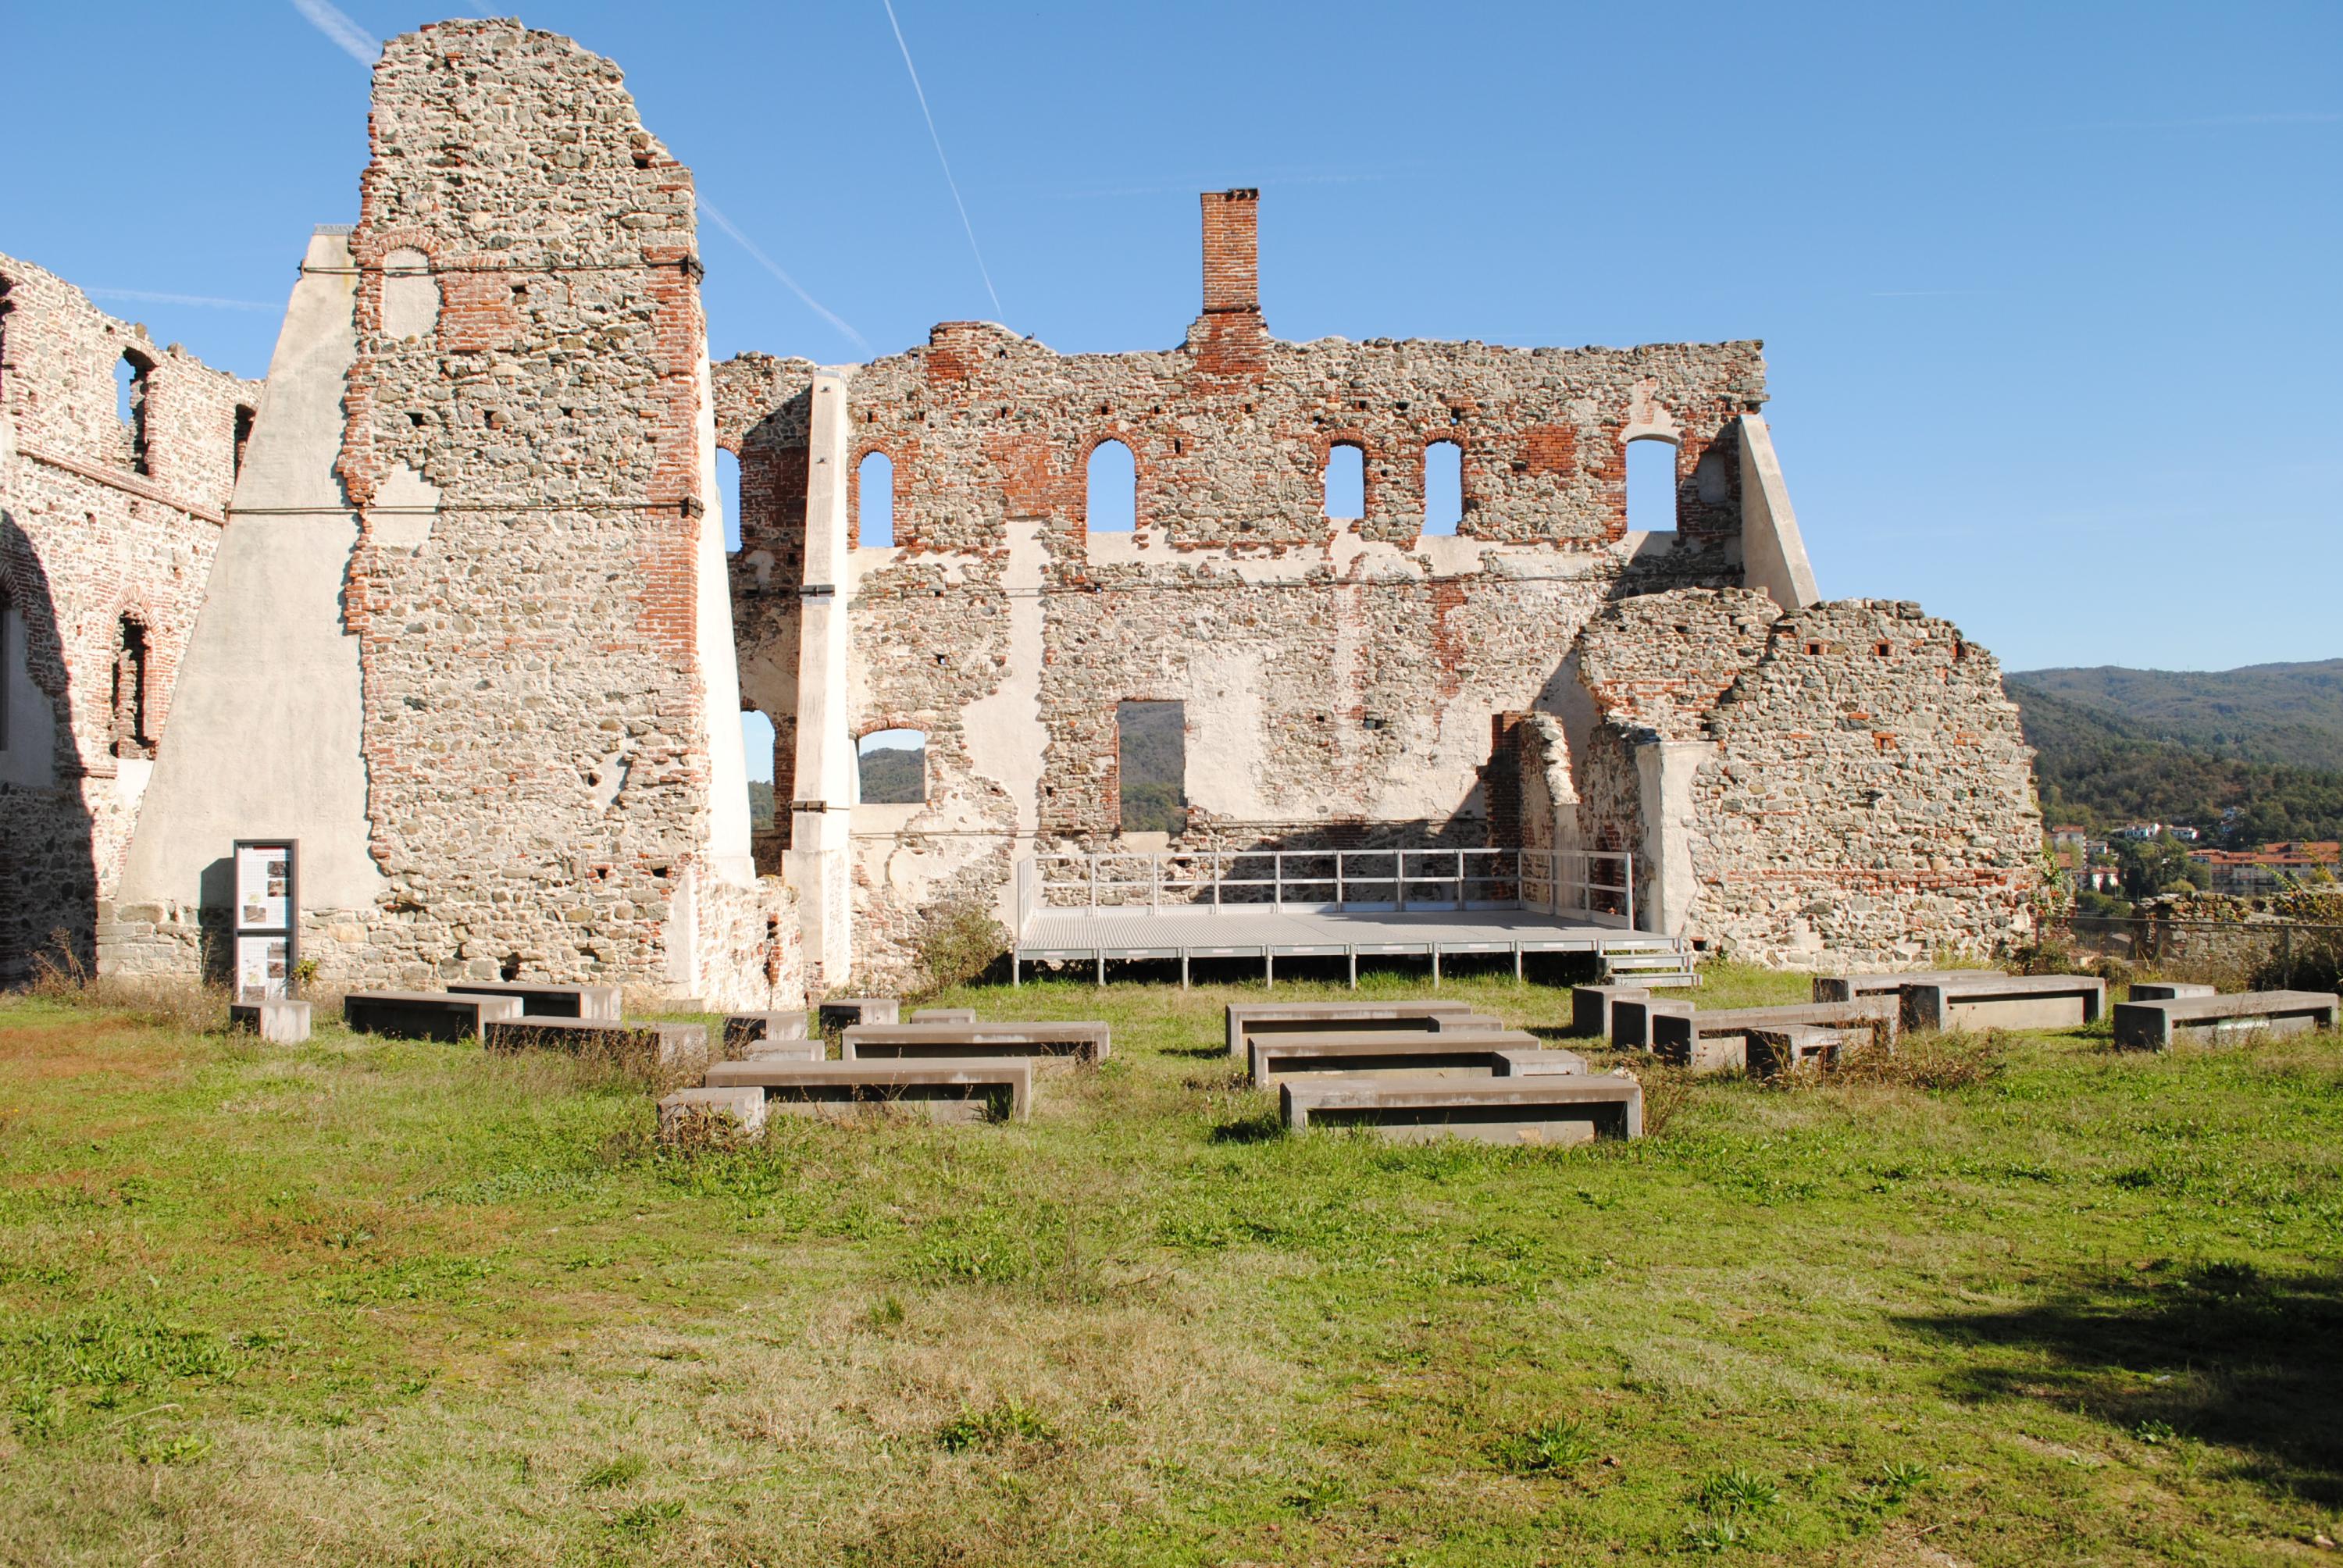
(1340, 677)
(536, 741)
(92, 533)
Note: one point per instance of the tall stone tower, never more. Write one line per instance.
(483, 503)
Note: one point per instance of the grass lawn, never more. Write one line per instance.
(361, 1302)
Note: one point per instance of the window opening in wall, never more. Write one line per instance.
(1151, 743)
(728, 495)
(244, 417)
(874, 511)
(130, 737)
(1651, 485)
(1346, 482)
(130, 404)
(894, 767)
(1443, 487)
(1113, 507)
(756, 742)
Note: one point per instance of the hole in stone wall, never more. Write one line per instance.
(245, 416)
(894, 767)
(757, 743)
(1113, 505)
(728, 495)
(4, 308)
(1346, 482)
(874, 509)
(130, 737)
(1443, 487)
(1152, 745)
(1651, 485)
(130, 385)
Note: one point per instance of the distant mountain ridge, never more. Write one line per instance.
(2255, 754)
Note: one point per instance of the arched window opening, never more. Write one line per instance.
(245, 416)
(756, 744)
(728, 495)
(130, 736)
(1443, 488)
(130, 404)
(874, 502)
(1151, 746)
(1651, 485)
(1113, 507)
(1346, 483)
(894, 767)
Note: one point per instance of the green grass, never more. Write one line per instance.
(361, 1302)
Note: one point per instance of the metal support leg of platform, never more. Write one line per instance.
(1016, 977)
(1354, 966)
(1435, 965)
(1183, 968)
(1517, 964)
(1100, 954)
(1269, 969)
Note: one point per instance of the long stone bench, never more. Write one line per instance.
(635, 1043)
(1305, 1017)
(1535, 1109)
(1985, 1000)
(1794, 1047)
(1460, 1052)
(743, 1108)
(815, 1049)
(1090, 1041)
(839, 1012)
(744, 1029)
(1717, 1040)
(1846, 988)
(1589, 1007)
(426, 1014)
(2169, 991)
(943, 1015)
(2159, 1025)
(545, 1000)
(950, 1090)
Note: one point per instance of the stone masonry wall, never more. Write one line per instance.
(536, 741)
(97, 528)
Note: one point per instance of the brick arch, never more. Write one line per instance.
(1369, 486)
(1078, 484)
(899, 488)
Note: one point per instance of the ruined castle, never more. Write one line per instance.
(447, 597)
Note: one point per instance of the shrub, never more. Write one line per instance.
(957, 941)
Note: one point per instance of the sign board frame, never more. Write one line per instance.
(265, 874)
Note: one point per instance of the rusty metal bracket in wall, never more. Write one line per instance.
(129, 485)
(817, 590)
(808, 805)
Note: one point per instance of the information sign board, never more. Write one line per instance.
(267, 918)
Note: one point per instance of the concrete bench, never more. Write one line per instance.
(1532, 1109)
(2169, 991)
(783, 1050)
(635, 1043)
(1632, 1019)
(744, 1029)
(1717, 1040)
(2210, 1020)
(943, 1015)
(741, 1107)
(1282, 1017)
(426, 1014)
(1476, 1053)
(1589, 1007)
(905, 1041)
(952, 1090)
(1985, 1000)
(545, 1000)
(1846, 988)
(845, 1011)
(282, 1021)
(1793, 1046)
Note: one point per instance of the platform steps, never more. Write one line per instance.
(1660, 961)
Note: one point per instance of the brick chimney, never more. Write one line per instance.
(1232, 252)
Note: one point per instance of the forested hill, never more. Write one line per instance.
(2120, 745)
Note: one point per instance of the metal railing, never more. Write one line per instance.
(1595, 885)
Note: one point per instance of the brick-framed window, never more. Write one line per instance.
(131, 656)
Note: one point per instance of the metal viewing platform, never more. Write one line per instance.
(1347, 904)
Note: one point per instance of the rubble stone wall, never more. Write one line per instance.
(97, 528)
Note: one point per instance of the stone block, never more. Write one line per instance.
(963, 1090)
(1846, 988)
(1983, 1000)
(1796, 1047)
(943, 1015)
(1090, 1041)
(1386, 1053)
(426, 1014)
(2220, 1020)
(638, 1043)
(1715, 1039)
(744, 1029)
(1538, 1109)
(1300, 1017)
(1589, 1007)
(743, 1108)
(2169, 991)
(845, 1011)
(284, 1021)
(1632, 1016)
(542, 998)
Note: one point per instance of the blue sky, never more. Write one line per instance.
(2048, 291)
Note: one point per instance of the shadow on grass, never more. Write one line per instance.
(1264, 1128)
(2220, 1353)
